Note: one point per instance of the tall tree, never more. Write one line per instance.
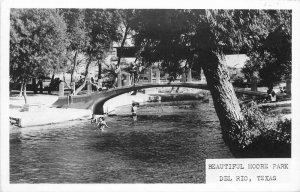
(202, 37)
(276, 57)
(76, 35)
(91, 33)
(37, 42)
(272, 60)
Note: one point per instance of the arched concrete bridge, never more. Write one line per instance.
(95, 101)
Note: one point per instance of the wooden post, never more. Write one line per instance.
(61, 91)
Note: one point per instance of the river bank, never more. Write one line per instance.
(39, 111)
(268, 132)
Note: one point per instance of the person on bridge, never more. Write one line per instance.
(102, 124)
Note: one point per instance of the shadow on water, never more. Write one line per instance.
(150, 146)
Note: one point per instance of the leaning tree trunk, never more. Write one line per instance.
(123, 43)
(172, 89)
(24, 92)
(99, 69)
(74, 66)
(176, 91)
(21, 89)
(226, 104)
(85, 76)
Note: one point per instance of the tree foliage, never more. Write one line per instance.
(42, 39)
(91, 33)
(181, 38)
(272, 59)
(174, 36)
(252, 66)
(37, 42)
(162, 36)
(276, 57)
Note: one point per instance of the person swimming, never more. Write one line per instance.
(102, 124)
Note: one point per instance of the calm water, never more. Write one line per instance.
(168, 144)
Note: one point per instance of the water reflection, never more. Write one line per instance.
(160, 147)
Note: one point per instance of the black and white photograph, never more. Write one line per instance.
(147, 95)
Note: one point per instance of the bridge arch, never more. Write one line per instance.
(97, 107)
(95, 101)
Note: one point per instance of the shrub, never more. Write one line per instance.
(281, 133)
(268, 136)
(238, 81)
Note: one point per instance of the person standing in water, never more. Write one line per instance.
(134, 111)
(93, 119)
(102, 124)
